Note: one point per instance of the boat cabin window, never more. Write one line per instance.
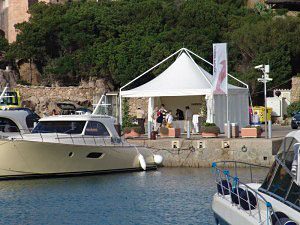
(280, 182)
(65, 127)
(286, 147)
(294, 195)
(11, 99)
(31, 119)
(7, 125)
(95, 128)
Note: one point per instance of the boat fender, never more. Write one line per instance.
(235, 195)
(226, 187)
(245, 202)
(158, 159)
(282, 219)
(142, 161)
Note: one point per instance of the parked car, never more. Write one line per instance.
(80, 111)
(66, 108)
(295, 120)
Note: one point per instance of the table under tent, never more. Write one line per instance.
(184, 83)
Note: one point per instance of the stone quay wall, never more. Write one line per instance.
(258, 151)
(43, 99)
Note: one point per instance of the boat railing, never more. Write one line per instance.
(69, 138)
(236, 165)
(241, 195)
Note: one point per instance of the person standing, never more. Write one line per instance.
(159, 120)
(188, 117)
(154, 117)
(169, 119)
(140, 116)
(164, 112)
(179, 114)
(256, 119)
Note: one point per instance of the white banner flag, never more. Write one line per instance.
(220, 69)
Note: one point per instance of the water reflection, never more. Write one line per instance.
(165, 196)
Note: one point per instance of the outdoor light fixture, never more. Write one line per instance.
(265, 78)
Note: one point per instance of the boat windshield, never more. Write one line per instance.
(65, 127)
(280, 181)
(10, 98)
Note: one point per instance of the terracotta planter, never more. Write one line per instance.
(131, 134)
(208, 134)
(250, 132)
(172, 132)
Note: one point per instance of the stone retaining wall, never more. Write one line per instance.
(43, 99)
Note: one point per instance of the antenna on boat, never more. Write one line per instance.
(4, 91)
(99, 104)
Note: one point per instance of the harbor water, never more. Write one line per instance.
(165, 196)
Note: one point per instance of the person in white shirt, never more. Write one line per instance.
(140, 116)
(169, 119)
(255, 119)
(188, 117)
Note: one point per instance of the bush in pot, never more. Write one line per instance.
(132, 131)
(210, 130)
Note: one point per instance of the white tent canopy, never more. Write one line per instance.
(185, 78)
(182, 78)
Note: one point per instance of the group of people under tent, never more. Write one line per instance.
(162, 117)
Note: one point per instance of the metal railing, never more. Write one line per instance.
(64, 138)
(240, 194)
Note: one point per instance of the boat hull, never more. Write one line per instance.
(20, 158)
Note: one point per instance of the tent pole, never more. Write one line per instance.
(228, 122)
(120, 116)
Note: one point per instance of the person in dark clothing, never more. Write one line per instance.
(159, 120)
(179, 114)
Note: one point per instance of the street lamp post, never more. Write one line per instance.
(265, 78)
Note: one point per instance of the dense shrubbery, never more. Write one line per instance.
(118, 40)
(293, 108)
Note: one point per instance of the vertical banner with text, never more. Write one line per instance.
(219, 86)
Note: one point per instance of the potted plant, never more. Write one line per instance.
(164, 132)
(210, 130)
(251, 131)
(131, 132)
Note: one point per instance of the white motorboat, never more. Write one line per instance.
(65, 145)
(16, 122)
(275, 201)
(72, 145)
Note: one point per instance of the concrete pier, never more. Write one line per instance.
(201, 152)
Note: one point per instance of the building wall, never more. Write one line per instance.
(15, 11)
(295, 91)
(4, 16)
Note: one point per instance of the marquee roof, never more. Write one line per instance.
(182, 78)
